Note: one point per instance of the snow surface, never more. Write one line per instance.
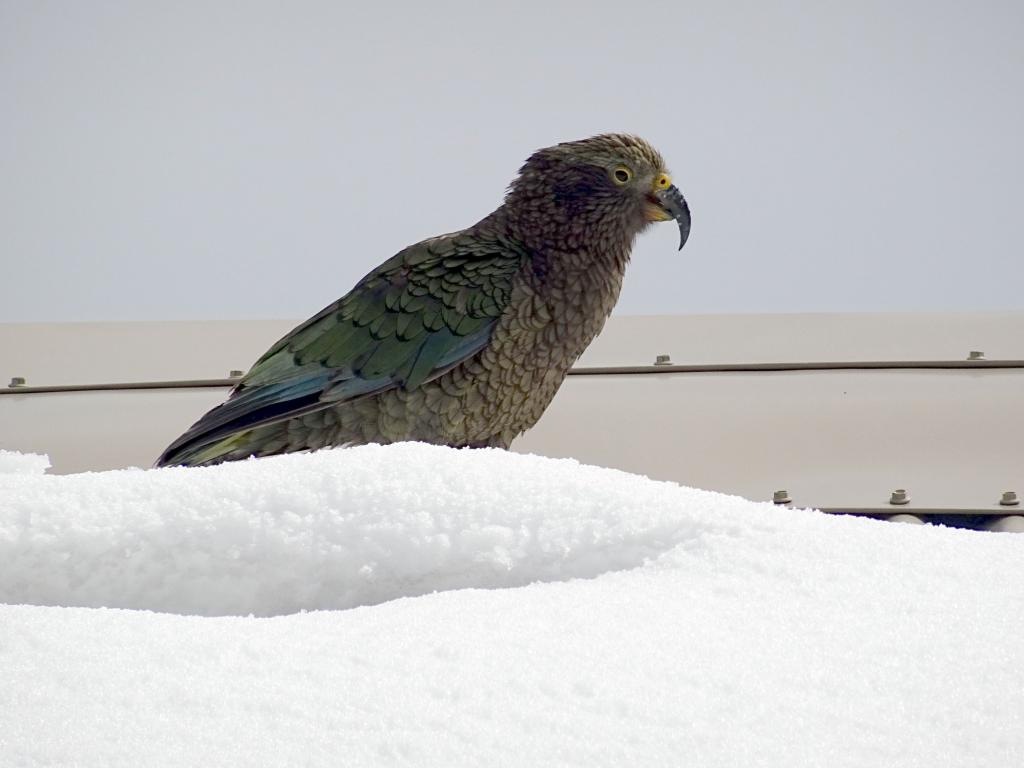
(14, 463)
(625, 621)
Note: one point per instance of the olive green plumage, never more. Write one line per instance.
(461, 339)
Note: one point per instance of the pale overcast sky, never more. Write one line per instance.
(188, 160)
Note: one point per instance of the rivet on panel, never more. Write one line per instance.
(781, 497)
(1009, 499)
(17, 381)
(899, 497)
(236, 374)
(663, 360)
(975, 354)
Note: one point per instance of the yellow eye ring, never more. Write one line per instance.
(622, 175)
(662, 181)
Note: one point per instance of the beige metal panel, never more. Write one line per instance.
(83, 431)
(89, 353)
(718, 339)
(82, 353)
(832, 438)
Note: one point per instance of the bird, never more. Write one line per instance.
(461, 339)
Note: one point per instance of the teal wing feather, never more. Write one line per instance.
(418, 315)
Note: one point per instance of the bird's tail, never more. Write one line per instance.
(240, 445)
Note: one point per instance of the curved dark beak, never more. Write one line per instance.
(675, 206)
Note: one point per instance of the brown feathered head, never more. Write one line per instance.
(607, 188)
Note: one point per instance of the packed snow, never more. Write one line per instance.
(417, 605)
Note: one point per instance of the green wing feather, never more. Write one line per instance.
(419, 314)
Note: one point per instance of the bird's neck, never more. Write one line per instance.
(561, 244)
(581, 274)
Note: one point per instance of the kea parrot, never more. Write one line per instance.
(461, 339)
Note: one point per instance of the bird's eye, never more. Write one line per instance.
(622, 175)
(662, 181)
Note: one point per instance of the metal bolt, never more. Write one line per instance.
(1009, 499)
(781, 497)
(975, 355)
(236, 374)
(17, 381)
(663, 360)
(899, 497)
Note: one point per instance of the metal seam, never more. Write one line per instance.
(620, 370)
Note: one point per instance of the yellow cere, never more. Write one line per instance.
(652, 209)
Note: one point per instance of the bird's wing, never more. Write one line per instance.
(415, 317)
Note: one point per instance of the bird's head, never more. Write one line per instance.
(610, 186)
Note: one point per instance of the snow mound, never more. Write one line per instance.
(14, 463)
(673, 627)
(338, 529)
